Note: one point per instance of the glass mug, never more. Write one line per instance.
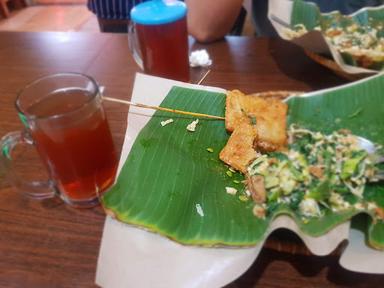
(158, 38)
(65, 121)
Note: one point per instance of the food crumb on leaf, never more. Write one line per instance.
(166, 122)
(199, 210)
(192, 126)
(231, 190)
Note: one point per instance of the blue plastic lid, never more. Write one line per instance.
(157, 12)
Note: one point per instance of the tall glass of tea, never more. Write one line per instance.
(64, 119)
(158, 38)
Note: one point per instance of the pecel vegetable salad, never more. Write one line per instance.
(317, 172)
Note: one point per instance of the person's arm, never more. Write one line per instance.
(209, 20)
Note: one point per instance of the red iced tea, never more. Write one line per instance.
(73, 138)
(164, 49)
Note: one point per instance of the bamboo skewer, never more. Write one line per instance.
(201, 115)
(204, 76)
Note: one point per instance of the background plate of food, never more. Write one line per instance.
(354, 42)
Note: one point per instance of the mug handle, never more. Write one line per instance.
(34, 189)
(133, 45)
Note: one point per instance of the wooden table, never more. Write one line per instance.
(48, 244)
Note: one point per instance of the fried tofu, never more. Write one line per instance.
(267, 114)
(239, 152)
(234, 113)
(257, 125)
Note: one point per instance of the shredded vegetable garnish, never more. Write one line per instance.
(297, 31)
(317, 172)
(359, 41)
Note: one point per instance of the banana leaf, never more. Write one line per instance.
(173, 182)
(305, 13)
